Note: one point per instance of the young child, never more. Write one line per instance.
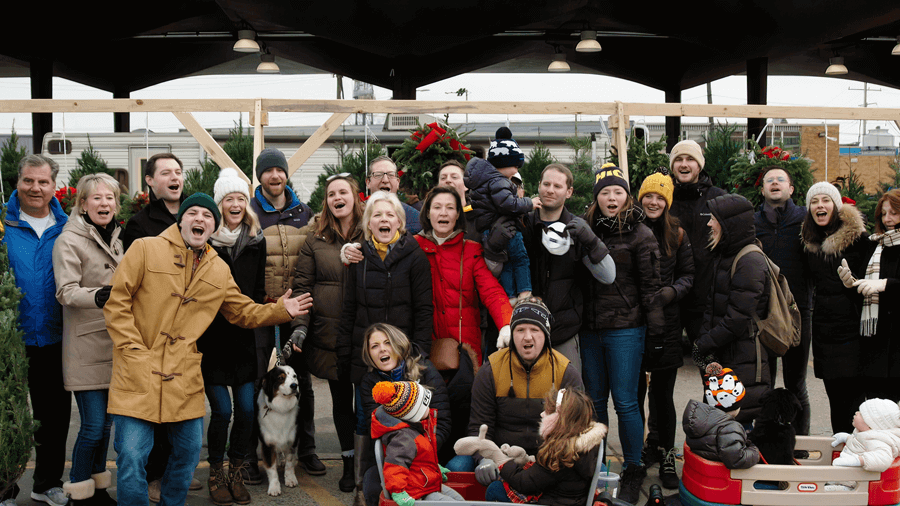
(875, 441)
(496, 205)
(566, 459)
(710, 428)
(406, 423)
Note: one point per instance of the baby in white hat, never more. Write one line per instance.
(875, 441)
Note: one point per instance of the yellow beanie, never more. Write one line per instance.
(658, 183)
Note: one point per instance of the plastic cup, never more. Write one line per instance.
(608, 482)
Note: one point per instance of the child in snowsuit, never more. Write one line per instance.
(496, 206)
(713, 433)
(875, 441)
(406, 423)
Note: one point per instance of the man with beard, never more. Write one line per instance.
(281, 216)
(165, 293)
(778, 224)
(163, 173)
(555, 274)
(693, 190)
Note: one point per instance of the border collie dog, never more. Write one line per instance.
(277, 402)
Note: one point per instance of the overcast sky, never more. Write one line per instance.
(784, 91)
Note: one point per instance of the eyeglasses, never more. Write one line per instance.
(380, 175)
(335, 176)
(780, 179)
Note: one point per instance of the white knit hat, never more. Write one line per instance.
(230, 182)
(824, 188)
(880, 414)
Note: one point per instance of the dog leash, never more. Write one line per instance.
(279, 358)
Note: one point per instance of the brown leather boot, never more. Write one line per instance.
(236, 481)
(218, 485)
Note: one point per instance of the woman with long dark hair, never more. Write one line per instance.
(834, 237)
(618, 315)
(320, 272)
(663, 353)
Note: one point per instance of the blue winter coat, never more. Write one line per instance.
(31, 259)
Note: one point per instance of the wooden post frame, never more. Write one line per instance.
(208, 143)
(316, 140)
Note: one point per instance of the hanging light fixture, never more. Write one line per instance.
(267, 64)
(246, 42)
(836, 66)
(588, 42)
(896, 50)
(559, 62)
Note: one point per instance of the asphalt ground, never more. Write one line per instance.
(323, 490)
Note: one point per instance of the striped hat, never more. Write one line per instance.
(405, 400)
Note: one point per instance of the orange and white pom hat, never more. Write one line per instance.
(724, 390)
(405, 400)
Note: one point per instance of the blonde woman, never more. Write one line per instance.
(85, 257)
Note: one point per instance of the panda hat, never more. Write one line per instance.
(724, 390)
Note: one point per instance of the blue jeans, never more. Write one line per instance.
(611, 362)
(461, 464)
(134, 439)
(496, 492)
(220, 415)
(516, 275)
(92, 443)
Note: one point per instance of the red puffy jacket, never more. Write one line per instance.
(456, 263)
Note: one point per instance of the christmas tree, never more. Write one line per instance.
(89, 162)
(16, 425)
(10, 156)
(424, 151)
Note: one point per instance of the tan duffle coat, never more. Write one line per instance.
(156, 312)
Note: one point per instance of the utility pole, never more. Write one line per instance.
(709, 101)
(866, 103)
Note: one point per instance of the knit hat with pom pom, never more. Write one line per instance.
(504, 151)
(405, 400)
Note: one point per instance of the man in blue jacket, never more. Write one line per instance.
(33, 221)
(778, 223)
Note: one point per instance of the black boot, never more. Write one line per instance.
(348, 481)
(667, 474)
(631, 482)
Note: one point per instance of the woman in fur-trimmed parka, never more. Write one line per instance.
(833, 233)
(728, 330)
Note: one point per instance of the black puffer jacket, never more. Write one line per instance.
(881, 352)
(692, 210)
(569, 485)
(229, 352)
(396, 291)
(630, 301)
(781, 242)
(676, 271)
(728, 331)
(716, 436)
(148, 222)
(492, 195)
(836, 309)
(555, 278)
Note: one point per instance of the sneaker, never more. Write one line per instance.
(195, 484)
(312, 465)
(631, 482)
(651, 454)
(667, 474)
(9, 502)
(54, 497)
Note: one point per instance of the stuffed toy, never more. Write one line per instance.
(488, 449)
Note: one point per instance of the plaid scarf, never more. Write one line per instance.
(868, 323)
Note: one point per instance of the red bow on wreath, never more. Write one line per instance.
(437, 133)
(64, 192)
(776, 153)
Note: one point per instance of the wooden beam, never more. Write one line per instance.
(315, 141)
(208, 143)
(259, 142)
(433, 107)
(621, 141)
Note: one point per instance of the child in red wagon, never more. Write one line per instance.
(405, 424)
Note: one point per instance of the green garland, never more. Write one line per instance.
(746, 174)
(424, 151)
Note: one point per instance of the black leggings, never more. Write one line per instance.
(663, 418)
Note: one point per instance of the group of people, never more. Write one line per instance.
(490, 301)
